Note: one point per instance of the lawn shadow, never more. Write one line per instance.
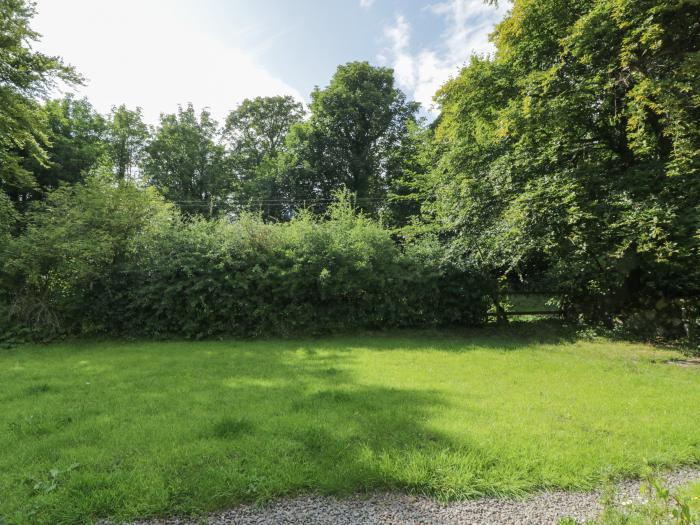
(515, 335)
(313, 427)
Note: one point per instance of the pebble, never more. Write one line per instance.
(544, 508)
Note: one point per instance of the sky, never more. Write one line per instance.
(156, 54)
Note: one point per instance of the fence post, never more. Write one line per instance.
(501, 316)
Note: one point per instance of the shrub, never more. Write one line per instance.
(54, 272)
(109, 258)
(199, 278)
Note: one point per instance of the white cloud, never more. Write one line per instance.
(469, 23)
(467, 26)
(366, 4)
(148, 54)
(399, 36)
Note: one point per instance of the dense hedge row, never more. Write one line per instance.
(99, 258)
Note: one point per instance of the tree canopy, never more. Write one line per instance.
(574, 152)
(25, 76)
(127, 136)
(353, 138)
(185, 161)
(255, 134)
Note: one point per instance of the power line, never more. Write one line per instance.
(285, 200)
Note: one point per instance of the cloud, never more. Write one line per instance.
(366, 4)
(469, 23)
(467, 26)
(399, 36)
(148, 54)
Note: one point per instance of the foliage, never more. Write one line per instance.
(8, 218)
(574, 154)
(567, 161)
(25, 75)
(257, 128)
(256, 134)
(174, 428)
(126, 139)
(199, 279)
(76, 134)
(185, 162)
(405, 191)
(55, 270)
(106, 256)
(353, 139)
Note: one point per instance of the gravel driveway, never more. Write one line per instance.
(540, 509)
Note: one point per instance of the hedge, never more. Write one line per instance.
(117, 260)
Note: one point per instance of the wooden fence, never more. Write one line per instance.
(521, 304)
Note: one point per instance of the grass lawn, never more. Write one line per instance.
(123, 430)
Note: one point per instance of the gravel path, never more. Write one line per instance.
(545, 508)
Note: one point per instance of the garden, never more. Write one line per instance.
(352, 308)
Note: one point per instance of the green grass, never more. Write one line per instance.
(123, 430)
(691, 494)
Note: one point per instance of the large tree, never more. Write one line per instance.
(126, 137)
(255, 133)
(25, 76)
(575, 151)
(353, 138)
(257, 127)
(185, 161)
(76, 134)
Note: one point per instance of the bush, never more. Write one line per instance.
(114, 259)
(54, 271)
(201, 278)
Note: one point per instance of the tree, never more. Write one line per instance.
(405, 190)
(257, 128)
(8, 217)
(59, 269)
(186, 163)
(76, 134)
(357, 125)
(574, 154)
(127, 136)
(255, 133)
(25, 76)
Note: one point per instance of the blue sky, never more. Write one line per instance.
(214, 53)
